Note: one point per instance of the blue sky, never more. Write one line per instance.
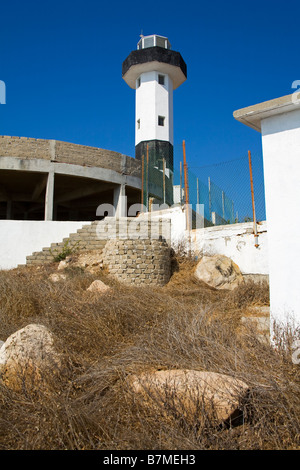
(61, 62)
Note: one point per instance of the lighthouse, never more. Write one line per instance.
(154, 70)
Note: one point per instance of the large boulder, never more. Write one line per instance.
(189, 391)
(28, 357)
(219, 271)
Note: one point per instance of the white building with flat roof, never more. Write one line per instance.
(278, 121)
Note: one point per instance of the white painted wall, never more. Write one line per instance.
(237, 242)
(20, 238)
(153, 100)
(281, 156)
(176, 194)
(178, 222)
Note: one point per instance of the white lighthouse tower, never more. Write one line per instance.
(154, 71)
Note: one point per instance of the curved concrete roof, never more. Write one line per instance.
(72, 160)
(41, 155)
(66, 152)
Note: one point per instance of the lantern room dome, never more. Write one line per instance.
(154, 53)
(152, 41)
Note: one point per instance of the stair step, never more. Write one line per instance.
(91, 236)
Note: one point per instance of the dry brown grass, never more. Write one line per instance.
(102, 340)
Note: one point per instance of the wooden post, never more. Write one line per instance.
(253, 202)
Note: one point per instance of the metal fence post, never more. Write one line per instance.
(209, 198)
(223, 205)
(253, 202)
(186, 189)
(180, 189)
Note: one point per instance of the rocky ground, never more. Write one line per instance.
(90, 363)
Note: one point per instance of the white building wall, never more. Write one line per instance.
(171, 118)
(281, 155)
(145, 108)
(20, 238)
(153, 100)
(236, 241)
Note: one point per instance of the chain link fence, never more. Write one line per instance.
(229, 189)
(224, 188)
(157, 176)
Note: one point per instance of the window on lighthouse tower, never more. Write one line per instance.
(161, 120)
(161, 79)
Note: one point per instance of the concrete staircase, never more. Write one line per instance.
(85, 238)
(93, 236)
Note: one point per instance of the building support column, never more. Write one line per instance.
(49, 196)
(120, 201)
(9, 209)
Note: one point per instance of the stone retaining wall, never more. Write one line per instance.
(138, 262)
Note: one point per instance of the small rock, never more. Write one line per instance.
(57, 277)
(98, 286)
(219, 272)
(186, 389)
(62, 265)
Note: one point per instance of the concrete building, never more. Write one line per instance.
(278, 121)
(154, 71)
(52, 180)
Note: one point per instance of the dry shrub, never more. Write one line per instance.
(104, 339)
(251, 293)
